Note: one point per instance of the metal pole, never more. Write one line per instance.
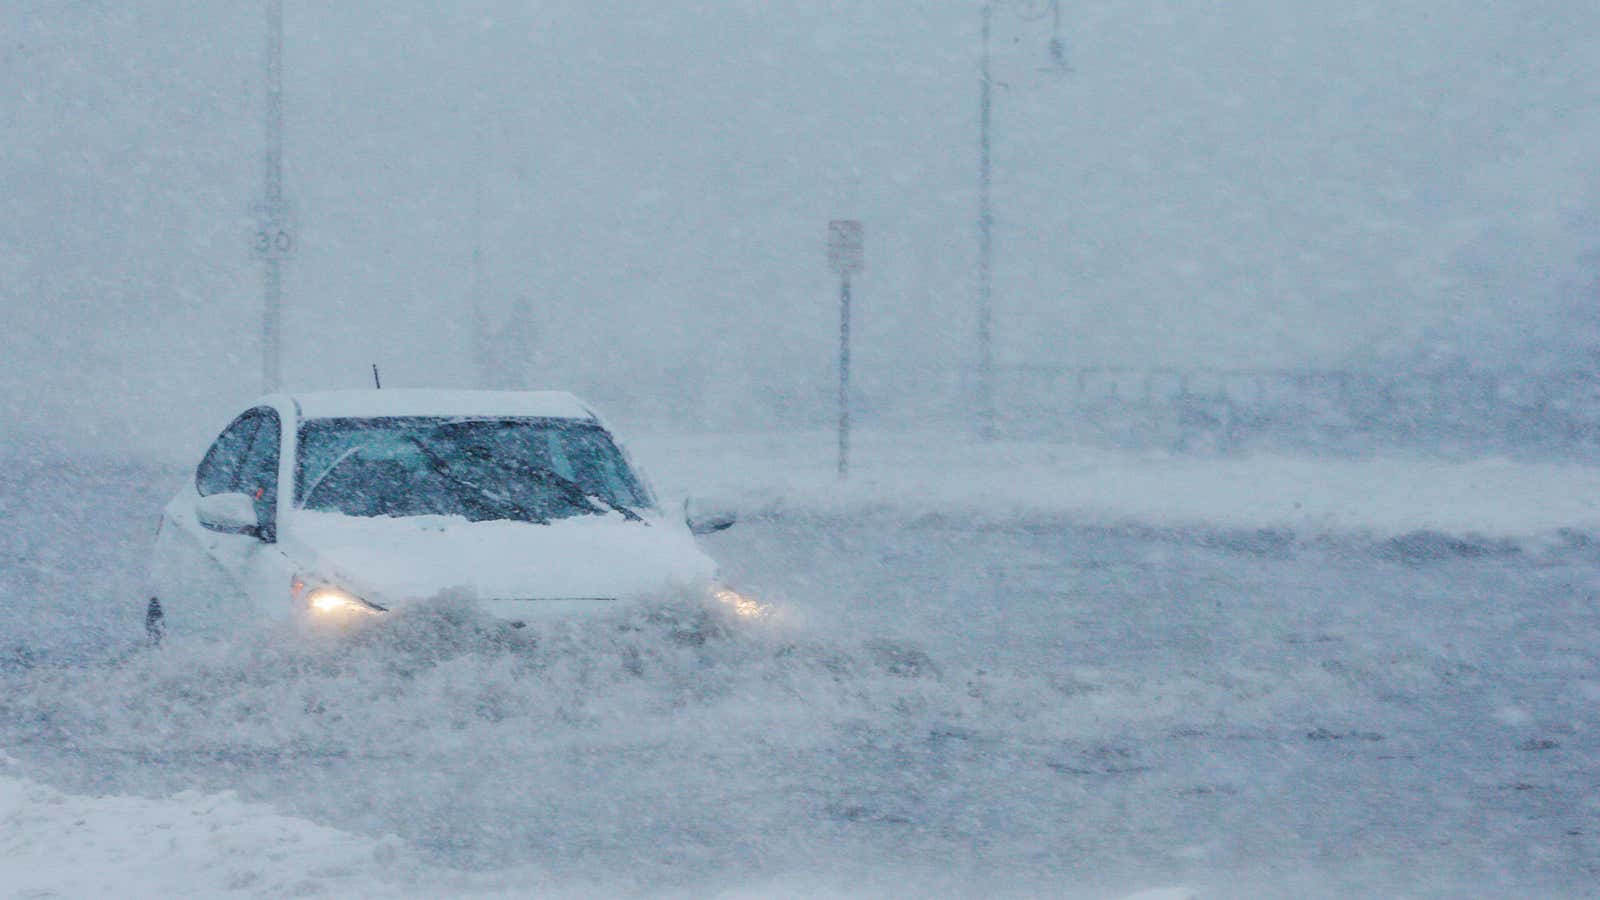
(844, 374)
(485, 346)
(271, 315)
(272, 276)
(985, 238)
(1058, 47)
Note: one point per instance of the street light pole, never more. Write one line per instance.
(986, 376)
(986, 234)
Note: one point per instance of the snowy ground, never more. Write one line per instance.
(1383, 495)
(189, 845)
(1022, 670)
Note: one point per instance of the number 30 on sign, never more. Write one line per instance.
(271, 242)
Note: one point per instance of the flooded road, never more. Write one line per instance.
(977, 706)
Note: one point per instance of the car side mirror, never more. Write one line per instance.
(708, 521)
(228, 514)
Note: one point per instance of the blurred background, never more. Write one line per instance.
(1196, 204)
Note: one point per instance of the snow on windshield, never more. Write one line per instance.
(534, 469)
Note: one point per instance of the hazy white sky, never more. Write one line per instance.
(1243, 183)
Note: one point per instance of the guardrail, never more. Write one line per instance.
(1229, 409)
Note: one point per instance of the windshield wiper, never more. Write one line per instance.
(505, 504)
(579, 495)
(587, 494)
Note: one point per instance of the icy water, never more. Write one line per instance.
(941, 704)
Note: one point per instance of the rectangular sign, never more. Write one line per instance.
(846, 252)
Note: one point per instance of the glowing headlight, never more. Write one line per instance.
(327, 601)
(742, 606)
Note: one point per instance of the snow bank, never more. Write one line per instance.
(189, 845)
(193, 844)
(938, 473)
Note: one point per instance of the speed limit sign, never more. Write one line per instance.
(273, 236)
(845, 250)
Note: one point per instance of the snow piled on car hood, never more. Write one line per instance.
(404, 559)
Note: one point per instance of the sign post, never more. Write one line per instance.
(272, 240)
(846, 255)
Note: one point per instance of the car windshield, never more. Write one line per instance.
(533, 470)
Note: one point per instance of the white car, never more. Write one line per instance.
(345, 505)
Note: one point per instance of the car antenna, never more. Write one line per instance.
(377, 383)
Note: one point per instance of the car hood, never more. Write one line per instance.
(584, 558)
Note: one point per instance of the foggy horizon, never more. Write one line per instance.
(1251, 186)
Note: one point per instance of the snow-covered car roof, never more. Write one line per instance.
(377, 404)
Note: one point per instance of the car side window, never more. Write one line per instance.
(258, 474)
(219, 471)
